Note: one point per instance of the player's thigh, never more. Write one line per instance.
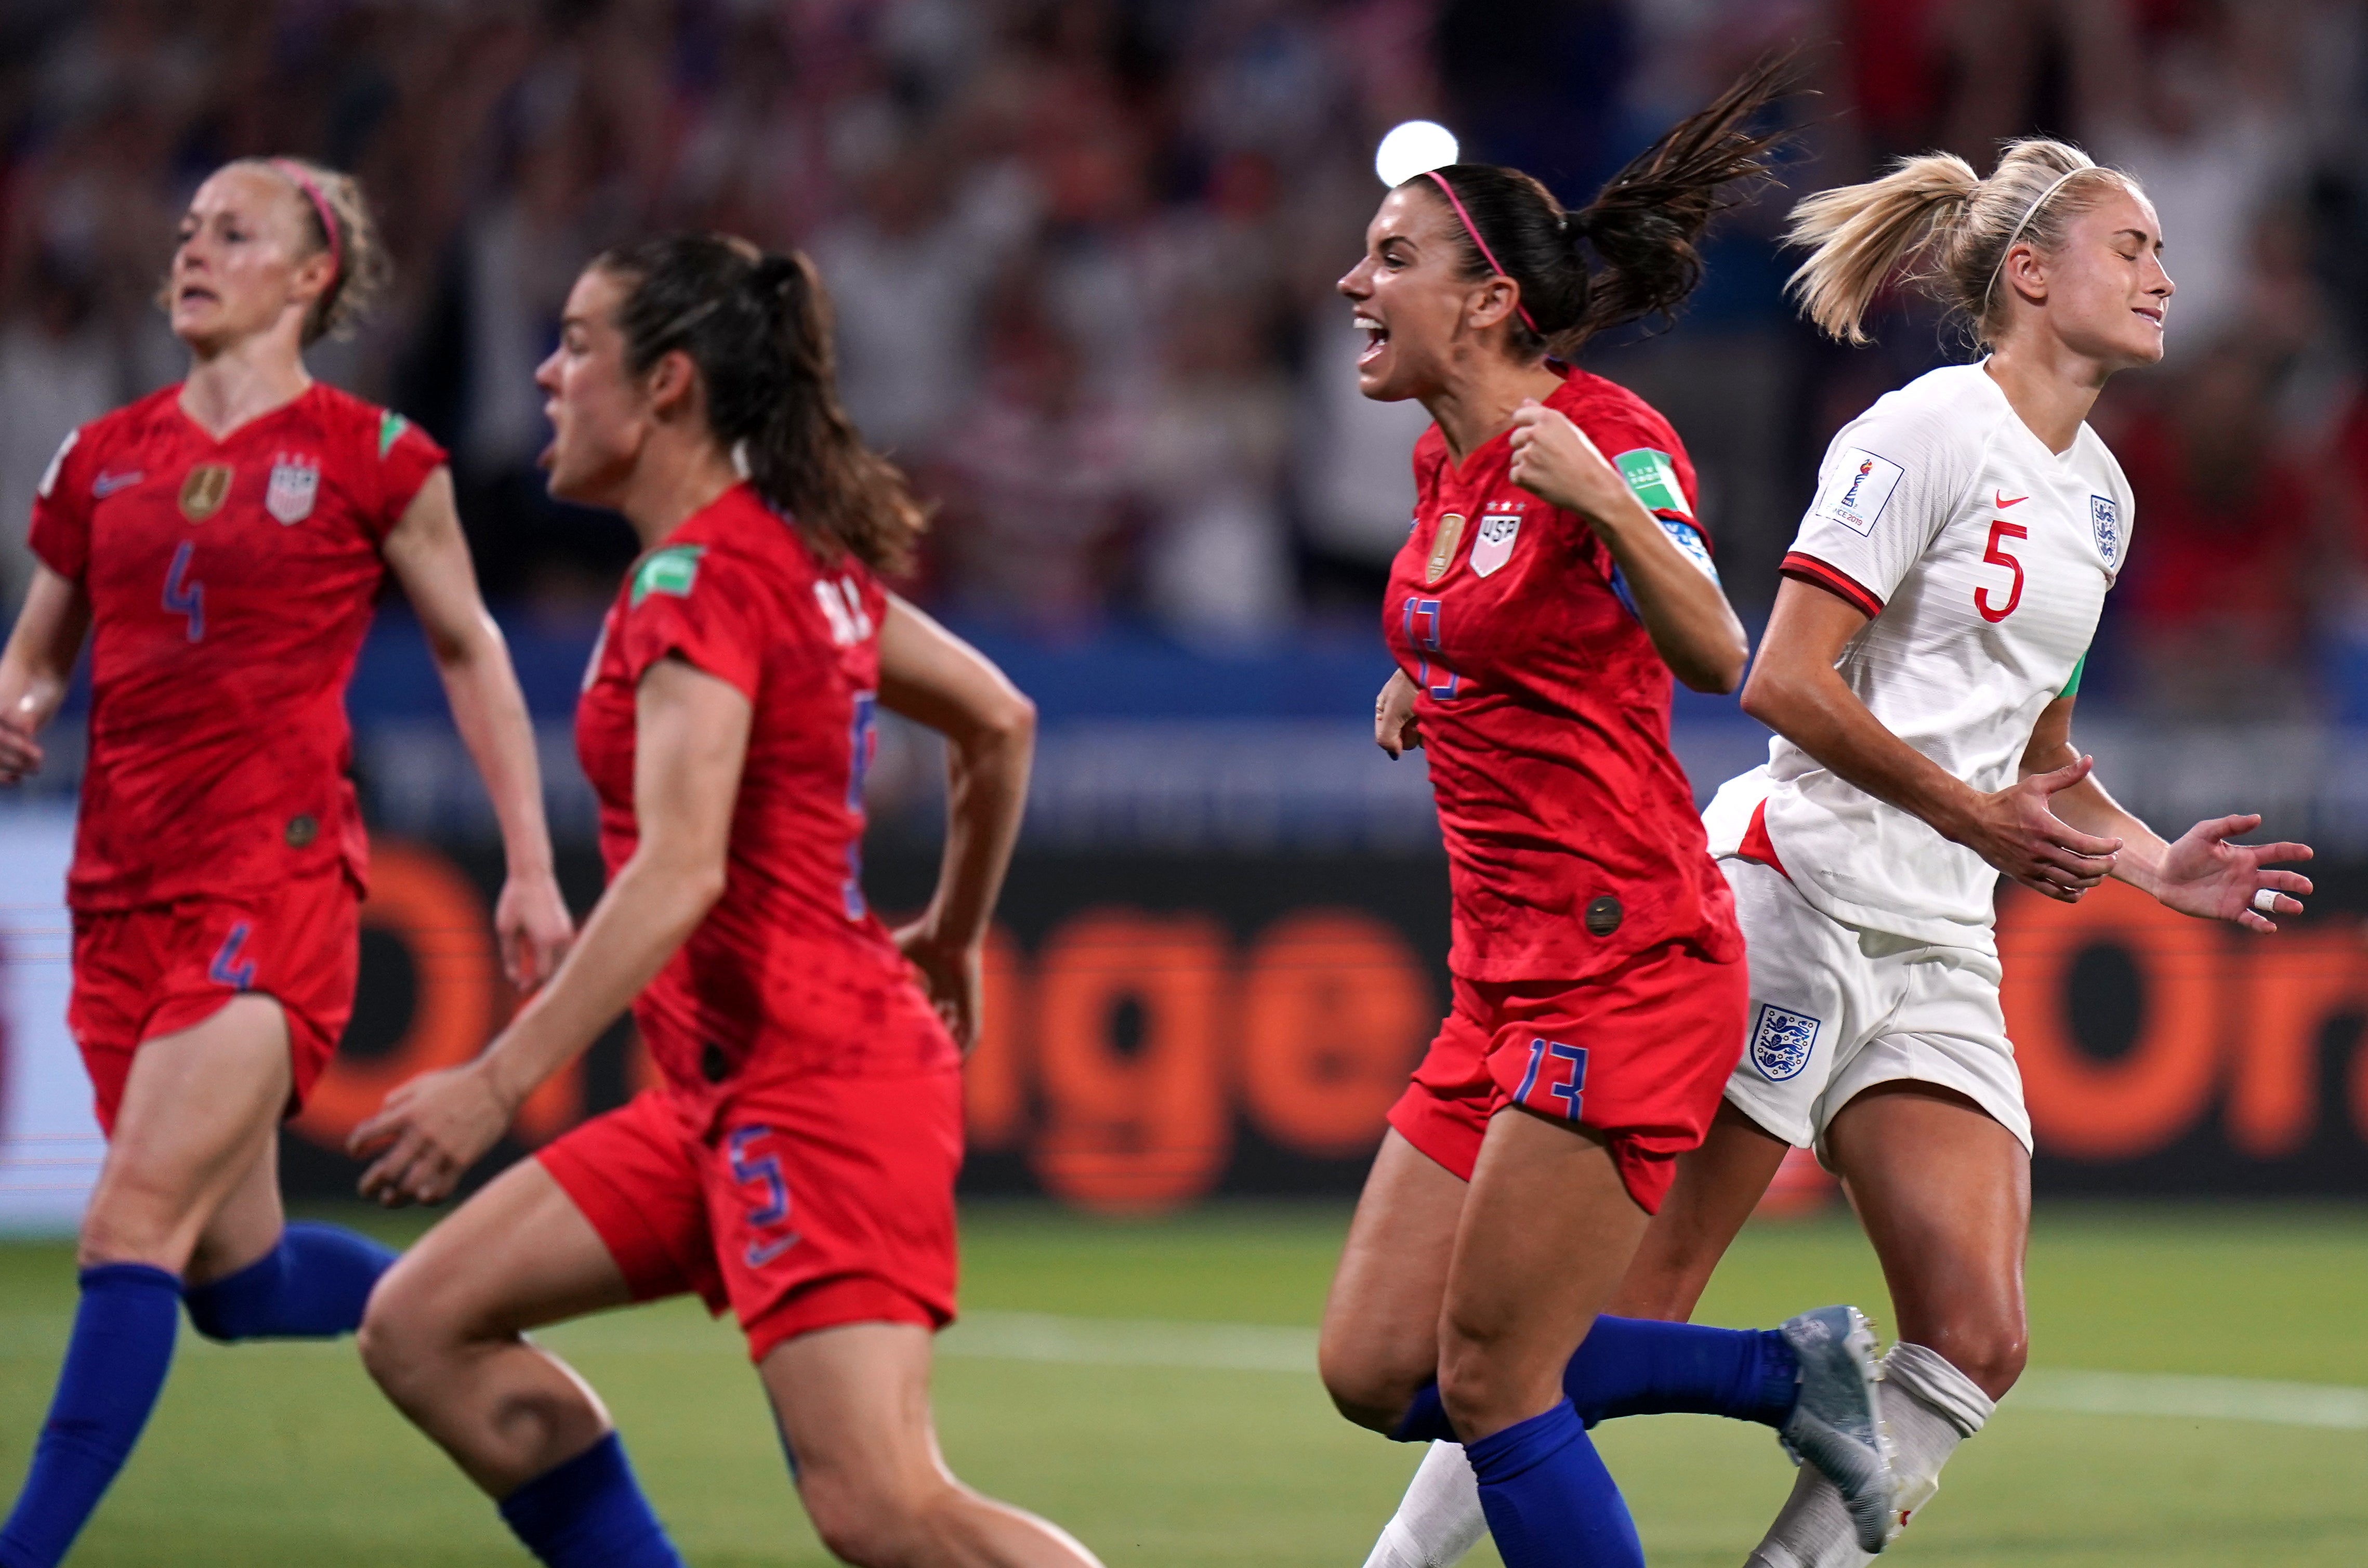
(1547, 1230)
(1717, 1186)
(1944, 1193)
(517, 1255)
(198, 1108)
(1380, 1343)
(853, 1404)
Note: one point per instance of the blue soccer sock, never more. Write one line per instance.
(589, 1513)
(115, 1367)
(1550, 1502)
(312, 1285)
(1645, 1366)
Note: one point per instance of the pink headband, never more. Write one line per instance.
(320, 207)
(1486, 255)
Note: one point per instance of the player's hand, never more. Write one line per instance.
(20, 755)
(534, 927)
(952, 975)
(1395, 730)
(428, 1133)
(1553, 460)
(2017, 830)
(2205, 875)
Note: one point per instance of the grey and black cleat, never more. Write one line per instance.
(1836, 1424)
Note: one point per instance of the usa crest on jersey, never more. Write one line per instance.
(295, 484)
(1494, 545)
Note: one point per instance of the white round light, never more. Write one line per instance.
(1416, 147)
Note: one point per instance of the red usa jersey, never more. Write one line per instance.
(1571, 841)
(790, 965)
(231, 582)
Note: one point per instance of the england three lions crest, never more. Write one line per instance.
(1495, 545)
(2106, 523)
(1781, 1041)
(295, 484)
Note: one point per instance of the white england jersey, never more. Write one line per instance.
(1984, 560)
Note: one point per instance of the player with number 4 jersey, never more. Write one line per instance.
(223, 543)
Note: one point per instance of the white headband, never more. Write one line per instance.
(2024, 221)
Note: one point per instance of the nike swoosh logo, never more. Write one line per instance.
(1999, 495)
(107, 484)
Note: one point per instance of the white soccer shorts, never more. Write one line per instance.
(1836, 1009)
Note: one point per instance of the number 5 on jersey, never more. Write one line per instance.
(1997, 555)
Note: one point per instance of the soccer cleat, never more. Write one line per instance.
(1837, 1425)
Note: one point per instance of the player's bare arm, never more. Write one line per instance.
(931, 676)
(693, 730)
(430, 556)
(1395, 728)
(1684, 610)
(2201, 874)
(1796, 690)
(38, 664)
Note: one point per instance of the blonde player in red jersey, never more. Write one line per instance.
(797, 1165)
(221, 543)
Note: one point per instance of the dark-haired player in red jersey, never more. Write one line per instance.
(1553, 581)
(798, 1164)
(223, 542)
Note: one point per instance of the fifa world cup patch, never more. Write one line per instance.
(204, 491)
(2105, 522)
(670, 570)
(1781, 1041)
(1443, 548)
(294, 485)
(1858, 487)
(391, 426)
(1654, 478)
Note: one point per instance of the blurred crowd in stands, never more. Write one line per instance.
(1083, 254)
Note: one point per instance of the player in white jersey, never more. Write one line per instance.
(1920, 669)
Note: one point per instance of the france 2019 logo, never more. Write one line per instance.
(2106, 523)
(1781, 1041)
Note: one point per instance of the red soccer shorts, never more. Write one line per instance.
(158, 969)
(801, 1204)
(1641, 1055)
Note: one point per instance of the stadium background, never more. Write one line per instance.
(1082, 252)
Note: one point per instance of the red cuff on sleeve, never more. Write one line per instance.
(1841, 585)
(706, 631)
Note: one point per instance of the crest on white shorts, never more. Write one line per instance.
(295, 484)
(2107, 525)
(1495, 545)
(1781, 1041)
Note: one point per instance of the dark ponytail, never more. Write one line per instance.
(1644, 226)
(758, 328)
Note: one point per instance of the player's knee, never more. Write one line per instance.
(1475, 1386)
(401, 1332)
(1365, 1387)
(869, 1520)
(1991, 1353)
(128, 1223)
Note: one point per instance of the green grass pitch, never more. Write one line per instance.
(284, 1454)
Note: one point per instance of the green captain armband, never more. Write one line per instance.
(2072, 682)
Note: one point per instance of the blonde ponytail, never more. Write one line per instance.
(1950, 230)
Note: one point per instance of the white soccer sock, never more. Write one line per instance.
(1929, 1407)
(1439, 1519)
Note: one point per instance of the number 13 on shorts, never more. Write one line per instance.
(1552, 1083)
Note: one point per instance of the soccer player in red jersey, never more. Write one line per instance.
(221, 543)
(1553, 581)
(797, 1165)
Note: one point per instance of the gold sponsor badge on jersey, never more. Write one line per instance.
(204, 491)
(1443, 548)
